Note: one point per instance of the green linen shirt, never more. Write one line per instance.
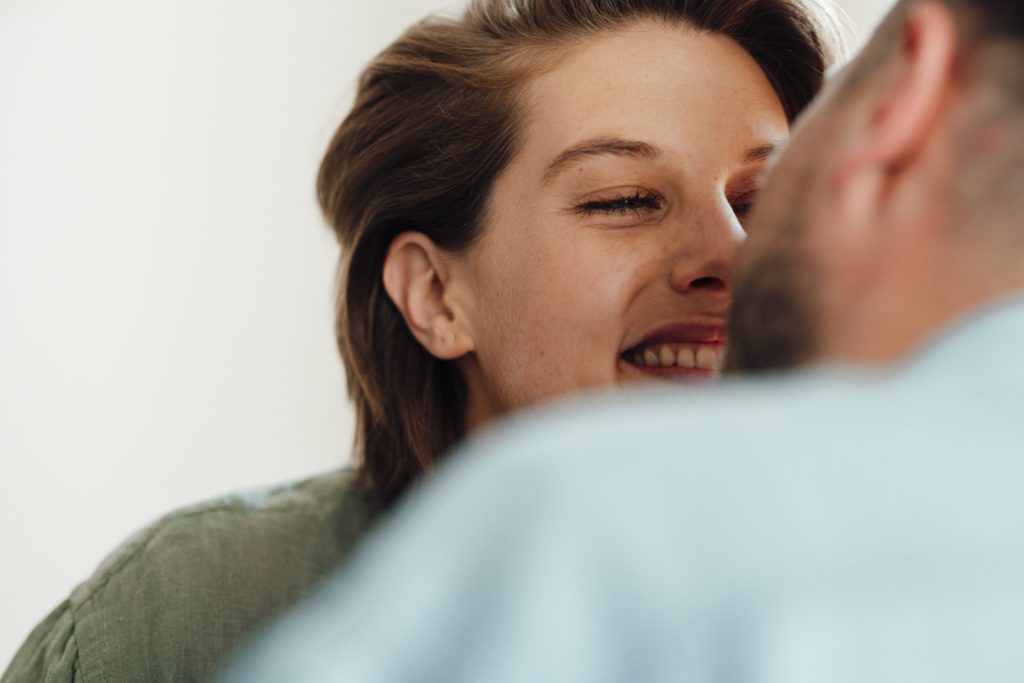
(176, 599)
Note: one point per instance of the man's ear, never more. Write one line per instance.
(416, 276)
(910, 104)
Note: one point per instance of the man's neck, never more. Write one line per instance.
(900, 319)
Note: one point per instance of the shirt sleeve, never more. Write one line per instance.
(50, 654)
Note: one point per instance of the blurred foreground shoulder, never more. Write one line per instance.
(174, 601)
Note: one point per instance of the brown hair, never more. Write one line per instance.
(436, 119)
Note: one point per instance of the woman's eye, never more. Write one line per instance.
(743, 205)
(742, 211)
(638, 202)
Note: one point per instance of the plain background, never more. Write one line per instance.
(165, 276)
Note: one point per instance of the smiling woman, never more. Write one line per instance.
(546, 197)
(539, 198)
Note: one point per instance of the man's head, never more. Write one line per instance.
(898, 206)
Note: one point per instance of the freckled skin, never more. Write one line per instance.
(554, 297)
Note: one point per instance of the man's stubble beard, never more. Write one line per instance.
(773, 322)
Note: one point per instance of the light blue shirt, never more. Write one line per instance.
(836, 526)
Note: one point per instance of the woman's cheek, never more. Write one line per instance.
(584, 306)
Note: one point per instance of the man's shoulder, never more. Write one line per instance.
(654, 420)
(751, 434)
(174, 599)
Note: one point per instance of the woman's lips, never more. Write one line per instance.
(686, 333)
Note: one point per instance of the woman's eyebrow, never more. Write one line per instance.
(599, 147)
(762, 152)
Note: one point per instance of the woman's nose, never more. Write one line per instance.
(703, 260)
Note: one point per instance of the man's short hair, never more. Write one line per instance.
(990, 140)
(993, 26)
(994, 18)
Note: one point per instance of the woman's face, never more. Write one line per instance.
(608, 251)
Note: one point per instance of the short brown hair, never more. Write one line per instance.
(436, 119)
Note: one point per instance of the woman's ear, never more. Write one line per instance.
(416, 277)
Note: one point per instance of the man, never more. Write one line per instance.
(836, 525)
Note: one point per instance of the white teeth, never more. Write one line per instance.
(707, 358)
(686, 358)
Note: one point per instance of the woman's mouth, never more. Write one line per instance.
(680, 352)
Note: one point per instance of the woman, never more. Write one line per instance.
(542, 197)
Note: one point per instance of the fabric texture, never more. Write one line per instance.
(839, 526)
(173, 602)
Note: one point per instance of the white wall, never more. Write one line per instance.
(165, 277)
(866, 14)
